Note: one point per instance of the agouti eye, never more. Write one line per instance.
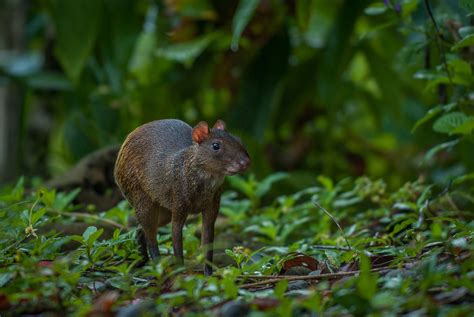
(216, 146)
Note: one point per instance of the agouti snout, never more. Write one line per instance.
(167, 170)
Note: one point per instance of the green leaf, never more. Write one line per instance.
(440, 147)
(143, 53)
(64, 199)
(229, 286)
(468, 5)
(367, 281)
(326, 182)
(187, 52)
(49, 81)
(94, 236)
(467, 41)
(37, 215)
(243, 14)
(264, 186)
(88, 232)
(466, 127)
(463, 178)
(449, 122)
(76, 23)
(465, 31)
(120, 282)
(280, 288)
(5, 278)
(375, 8)
(196, 9)
(430, 114)
(239, 183)
(19, 190)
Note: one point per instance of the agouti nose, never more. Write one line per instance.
(244, 163)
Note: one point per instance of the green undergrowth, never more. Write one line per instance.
(397, 252)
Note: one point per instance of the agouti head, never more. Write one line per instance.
(218, 151)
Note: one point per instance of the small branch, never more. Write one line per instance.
(88, 216)
(335, 221)
(15, 244)
(276, 279)
(330, 247)
(438, 38)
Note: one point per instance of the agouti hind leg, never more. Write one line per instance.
(147, 216)
(142, 244)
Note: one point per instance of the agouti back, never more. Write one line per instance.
(167, 170)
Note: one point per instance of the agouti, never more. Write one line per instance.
(167, 170)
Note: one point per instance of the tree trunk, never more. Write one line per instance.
(12, 25)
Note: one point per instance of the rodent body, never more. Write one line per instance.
(167, 170)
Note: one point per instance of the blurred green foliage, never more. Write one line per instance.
(331, 87)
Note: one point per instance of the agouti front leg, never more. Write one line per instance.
(207, 234)
(178, 219)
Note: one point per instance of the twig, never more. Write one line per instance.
(330, 247)
(87, 216)
(421, 215)
(335, 221)
(438, 37)
(14, 244)
(276, 279)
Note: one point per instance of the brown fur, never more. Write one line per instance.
(168, 170)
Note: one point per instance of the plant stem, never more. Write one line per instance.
(335, 221)
(88, 216)
(276, 279)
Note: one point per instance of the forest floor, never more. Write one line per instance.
(346, 248)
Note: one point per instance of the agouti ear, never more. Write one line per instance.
(200, 132)
(219, 125)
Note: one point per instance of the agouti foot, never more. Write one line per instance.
(207, 270)
(154, 253)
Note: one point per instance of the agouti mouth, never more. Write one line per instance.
(231, 172)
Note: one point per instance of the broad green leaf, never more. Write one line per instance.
(280, 288)
(326, 182)
(37, 215)
(143, 53)
(376, 8)
(401, 226)
(64, 199)
(465, 31)
(440, 147)
(48, 197)
(88, 232)
(187, 52)
(5, 278)
(94, 236)
(463, 178)
(461, 71)
(430, 114)
(449, 122)
(239, 183)
(466, 127)
(19, 190)
(76, 24)
(264, 186)
(467, 41)
(120, 282)
(243, 14)
(49, 81)
(230, 287)
(197, 9)
(468, 5)
(367, 281)
(408, 7)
